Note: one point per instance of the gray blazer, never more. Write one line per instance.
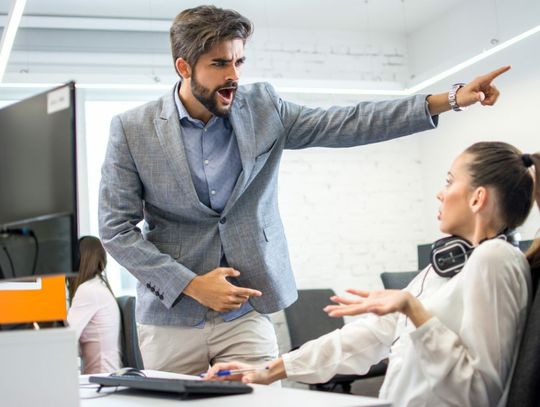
(146, 176)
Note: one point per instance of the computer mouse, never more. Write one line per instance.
(128, 371)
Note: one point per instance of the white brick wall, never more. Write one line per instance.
(348, 213)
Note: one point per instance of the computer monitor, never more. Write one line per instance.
(38, 187)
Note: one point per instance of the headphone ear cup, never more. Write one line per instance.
(448, 255)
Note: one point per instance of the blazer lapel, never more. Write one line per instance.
(169, 134)
(242, 124)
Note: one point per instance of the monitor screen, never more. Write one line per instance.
(38, 189)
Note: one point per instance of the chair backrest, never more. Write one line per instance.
(397, 280)
(524, 389)
(131, 354)
(305, 318)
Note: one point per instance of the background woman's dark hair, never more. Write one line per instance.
(504, 168)
(92, 262)
(194, 31)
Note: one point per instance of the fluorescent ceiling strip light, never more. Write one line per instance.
(8, 36)
(121, 86)
(472, 61)
(314, 90)
(341, 91)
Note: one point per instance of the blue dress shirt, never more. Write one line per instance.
(214, 162)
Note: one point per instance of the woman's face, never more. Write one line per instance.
(455, 214)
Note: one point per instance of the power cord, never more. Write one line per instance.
(21, 232)
(10, 261)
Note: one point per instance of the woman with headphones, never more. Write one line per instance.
(452, 335)
(94, 312)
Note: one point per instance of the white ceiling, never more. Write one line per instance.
(353, 15)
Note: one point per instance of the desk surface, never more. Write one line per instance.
(262, 396)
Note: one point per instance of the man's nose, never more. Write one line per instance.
(233, 74)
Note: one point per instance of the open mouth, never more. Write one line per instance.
(226, 94)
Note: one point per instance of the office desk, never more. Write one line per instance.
(262, 396)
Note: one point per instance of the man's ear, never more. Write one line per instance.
(183, 68)
(479, 199)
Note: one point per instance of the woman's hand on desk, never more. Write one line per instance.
(274, 370)
(380, 302)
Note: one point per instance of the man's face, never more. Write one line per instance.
(215, 76)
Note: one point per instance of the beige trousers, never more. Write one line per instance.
(249, 339)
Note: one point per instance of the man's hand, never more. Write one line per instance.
(479, 89)
(214, 291)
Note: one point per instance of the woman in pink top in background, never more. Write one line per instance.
(94, 313)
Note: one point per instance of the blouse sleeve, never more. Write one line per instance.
(83, 308)
(349, 350)
(470, 367)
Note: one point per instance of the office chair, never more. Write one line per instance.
(131, 354)
(524, 390)
(398, 279)
(306, 321)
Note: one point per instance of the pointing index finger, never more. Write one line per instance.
(493, 74)
(247, 292)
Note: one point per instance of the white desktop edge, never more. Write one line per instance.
(262, 396)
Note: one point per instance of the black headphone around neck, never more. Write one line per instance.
(449, 254)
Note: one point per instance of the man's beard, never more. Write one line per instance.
(208, 98)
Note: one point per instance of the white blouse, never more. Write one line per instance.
(95, 316)
(462, 356)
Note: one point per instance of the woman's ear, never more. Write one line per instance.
(479, 199)
(183, 68)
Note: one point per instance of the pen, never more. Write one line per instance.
(232, 372)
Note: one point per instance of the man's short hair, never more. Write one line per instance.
(196, 30)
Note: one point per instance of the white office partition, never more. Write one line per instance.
(39, 368)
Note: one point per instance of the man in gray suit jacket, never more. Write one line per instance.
(200, 167)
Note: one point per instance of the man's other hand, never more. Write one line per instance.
(214, 291)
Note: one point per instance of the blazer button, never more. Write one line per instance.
(161, 297)
(223, 220)
(147, 285)
(152, 289)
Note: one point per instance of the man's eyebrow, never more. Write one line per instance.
(221, 60)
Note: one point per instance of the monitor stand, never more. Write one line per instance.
(39, 368)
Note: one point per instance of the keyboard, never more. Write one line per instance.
(184, 387)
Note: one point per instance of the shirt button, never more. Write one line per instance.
(223, 220)
(213, 192)
(205, 129)
(206, 162)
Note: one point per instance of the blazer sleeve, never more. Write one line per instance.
(120, 210)
(363, 123)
